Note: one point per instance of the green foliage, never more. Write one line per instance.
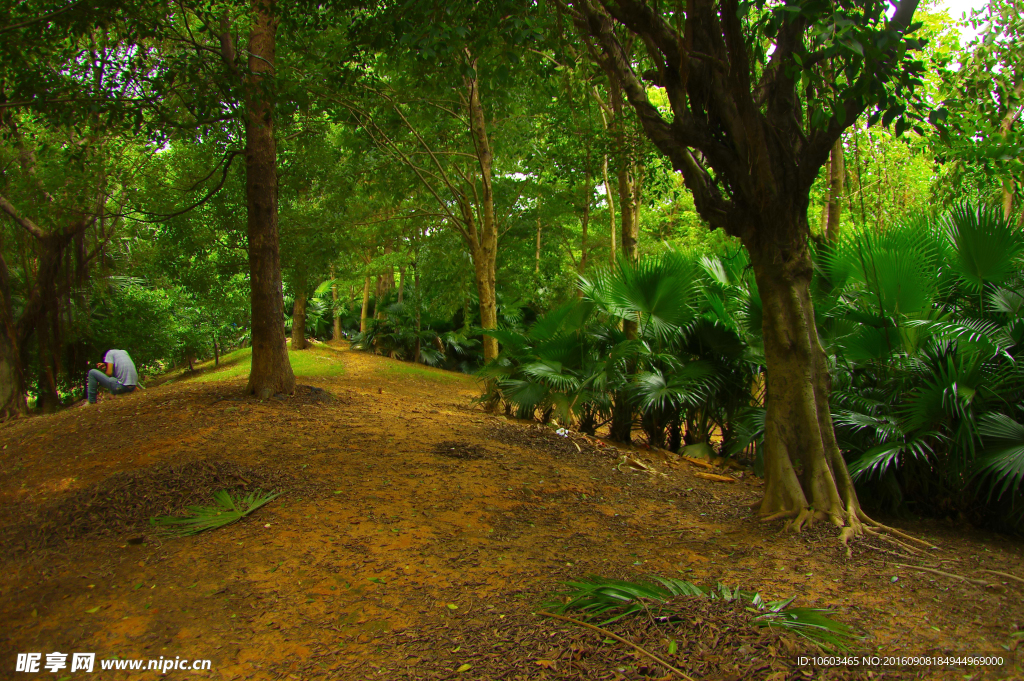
(597, 597)
(229, 509)
(925, 325)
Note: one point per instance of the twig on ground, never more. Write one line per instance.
(1002, 574)
(944, 574)
(617, 638)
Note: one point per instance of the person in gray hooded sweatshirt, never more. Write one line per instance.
(116, 373)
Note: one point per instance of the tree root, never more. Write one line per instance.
(779, 516)
(853, 523)
(907, 547)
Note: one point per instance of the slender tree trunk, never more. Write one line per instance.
(536, 263)
(335, 312)
(271, 371)
(366, 304)
(299, 321)
(611, 207)
(837, 171)
(585, 223)
(419, 304)
(860, 182)
(485, 248)
(216, 351)
(401, 282)
(805, 475)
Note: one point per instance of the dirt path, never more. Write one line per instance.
(418, 535)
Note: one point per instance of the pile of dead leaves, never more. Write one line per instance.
(124, 502)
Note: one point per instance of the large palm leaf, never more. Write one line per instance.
(988, 246)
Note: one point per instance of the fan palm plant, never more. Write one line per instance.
(925, 325)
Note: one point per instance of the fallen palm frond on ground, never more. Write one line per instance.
(596, 597)
(229, 509)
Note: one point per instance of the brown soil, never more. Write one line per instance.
(418, 536)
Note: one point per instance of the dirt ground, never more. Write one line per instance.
(417, 537)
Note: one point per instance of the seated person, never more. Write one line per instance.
(116, 373)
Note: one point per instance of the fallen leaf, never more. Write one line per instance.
(464, 668)
(93, 611)
(452, 606)
(547, 664)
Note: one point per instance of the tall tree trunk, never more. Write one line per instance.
(335, 312)
(216, 351)
(401, 281)
(837, 171)
(366, 304)
(536, 262)
(611, 208)
(299, 321)
(12, 383)
(584, 224)
(271, 371)
(47, 399)
(419, 304)
(485, 248)
(805, 475)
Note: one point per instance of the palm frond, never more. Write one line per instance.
(987, 244)
(1002, 463)
(598, 596)
(228, 509)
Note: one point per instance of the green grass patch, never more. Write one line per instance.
(417, 371)
(305, 363)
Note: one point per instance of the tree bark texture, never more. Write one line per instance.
(271, 371)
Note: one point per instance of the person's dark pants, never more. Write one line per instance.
(97, 378)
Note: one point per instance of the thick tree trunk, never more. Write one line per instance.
(366, 304)
(299, 322)
(271, 371)
(12, 384)
(12, 393)
(805, 475)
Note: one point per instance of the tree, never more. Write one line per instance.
(759, 95)
(983, 104)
